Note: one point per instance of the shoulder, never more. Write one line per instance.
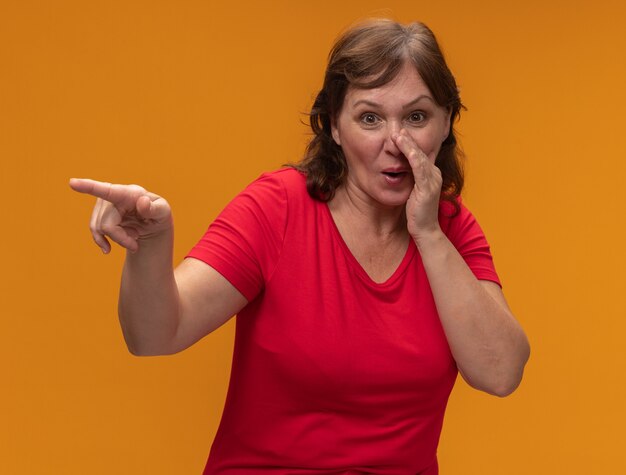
(290, 178)
(245, 241)
(451, 214)
(458, 223)
(464, 232)
(271, 199)
(285, 188)
(278, 182)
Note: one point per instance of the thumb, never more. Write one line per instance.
(152, 207)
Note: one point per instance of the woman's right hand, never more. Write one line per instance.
(126, 214)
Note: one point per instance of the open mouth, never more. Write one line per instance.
(394, 174)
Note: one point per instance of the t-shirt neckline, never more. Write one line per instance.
(356, 265)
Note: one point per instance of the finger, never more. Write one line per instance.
(99, 189)
(119, 235)
(417, 159)
(98, 237)
(123, 196)
(111, 224)
(152, 207)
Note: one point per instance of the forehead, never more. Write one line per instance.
(405, 87)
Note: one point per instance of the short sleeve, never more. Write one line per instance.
(468, 238)
(244, 242)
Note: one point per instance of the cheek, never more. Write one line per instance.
(361, 147)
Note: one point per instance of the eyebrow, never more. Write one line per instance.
(406, 106)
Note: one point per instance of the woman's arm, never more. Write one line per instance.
(161, 311)
(488, 344)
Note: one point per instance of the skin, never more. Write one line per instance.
(400, 127)
(397, 127)
(162, 310)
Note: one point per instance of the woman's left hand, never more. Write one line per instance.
(488, 344)
(422, 207)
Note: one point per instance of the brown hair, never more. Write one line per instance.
(370, 55)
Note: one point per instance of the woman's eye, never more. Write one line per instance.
(417, 117)
(369, 119)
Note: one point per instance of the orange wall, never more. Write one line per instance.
(193, 99)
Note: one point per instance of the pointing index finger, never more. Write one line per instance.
(99, 189)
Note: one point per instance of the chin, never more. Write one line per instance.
(393, 200)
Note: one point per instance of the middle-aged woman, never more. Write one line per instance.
(361, 282)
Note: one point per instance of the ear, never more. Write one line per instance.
(335, 132)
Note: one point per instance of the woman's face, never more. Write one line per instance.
(377, 171)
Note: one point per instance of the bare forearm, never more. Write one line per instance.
(488, 344)
(149, 303)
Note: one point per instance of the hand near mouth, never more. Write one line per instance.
(422, 207)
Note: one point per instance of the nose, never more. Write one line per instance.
(390, 146)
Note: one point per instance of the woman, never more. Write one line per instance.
(361, 282)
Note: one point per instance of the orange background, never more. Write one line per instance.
(194, 99)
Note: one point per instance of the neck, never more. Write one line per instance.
(366, 216)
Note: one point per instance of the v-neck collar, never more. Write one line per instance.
(356, 265)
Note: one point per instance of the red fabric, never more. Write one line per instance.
(332, 373)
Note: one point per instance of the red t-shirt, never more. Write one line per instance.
(332, 373)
